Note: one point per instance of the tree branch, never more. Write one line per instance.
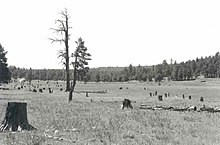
(57, 30)
(56, 40)
(62, 24)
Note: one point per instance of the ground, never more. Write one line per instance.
(98, 119)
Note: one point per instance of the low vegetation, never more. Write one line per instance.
(98, 119)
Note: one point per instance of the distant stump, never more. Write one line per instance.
(160, 98)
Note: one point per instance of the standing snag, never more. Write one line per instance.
(16, 118)
(63, 30)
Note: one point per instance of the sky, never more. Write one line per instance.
(116, 32)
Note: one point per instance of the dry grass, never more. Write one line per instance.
(85, 122)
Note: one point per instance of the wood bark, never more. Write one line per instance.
(63, 29)
(67, 54)
(16, 118)
(74, 82)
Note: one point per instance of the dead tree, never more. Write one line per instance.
(63, 30)
(16, 118)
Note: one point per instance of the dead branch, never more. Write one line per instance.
(56, 40)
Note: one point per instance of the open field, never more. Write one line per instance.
(98, 119)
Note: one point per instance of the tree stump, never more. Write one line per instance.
(202, 99)
(127, 103)
(16, 118)
(160, 98)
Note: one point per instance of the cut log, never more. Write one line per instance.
(16, 118)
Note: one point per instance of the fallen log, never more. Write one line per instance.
(99, 91)
(191, 108)
(87, 92)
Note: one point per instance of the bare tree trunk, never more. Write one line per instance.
(16, 117)
(71, 91)
(67, 76)
(63, 28)
(67, 55)
(74, 82)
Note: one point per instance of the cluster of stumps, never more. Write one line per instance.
(126, 103)
(160, 97)
(38, 87)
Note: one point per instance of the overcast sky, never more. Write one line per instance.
(116, 32)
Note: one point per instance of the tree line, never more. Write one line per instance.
(209, 67)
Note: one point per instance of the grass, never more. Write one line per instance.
(85, 122)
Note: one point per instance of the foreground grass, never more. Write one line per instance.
(85, 122)
(105, 123)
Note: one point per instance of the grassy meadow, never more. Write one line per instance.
(98, 119)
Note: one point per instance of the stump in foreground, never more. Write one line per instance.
(16, 118)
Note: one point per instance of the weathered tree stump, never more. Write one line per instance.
(165, 94)
(16, 118)
(202, 99)
(87, 94)
(50, 90)
(160, 98)
(127, 103)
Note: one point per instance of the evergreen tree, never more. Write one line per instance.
(4, 69)
(29, 75)
(139, 73)
(174, 74)
(81, 57)
(158, 73)
(125, 75)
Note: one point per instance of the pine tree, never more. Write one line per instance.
(81, 57)
(29, 75)
(4, 69)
